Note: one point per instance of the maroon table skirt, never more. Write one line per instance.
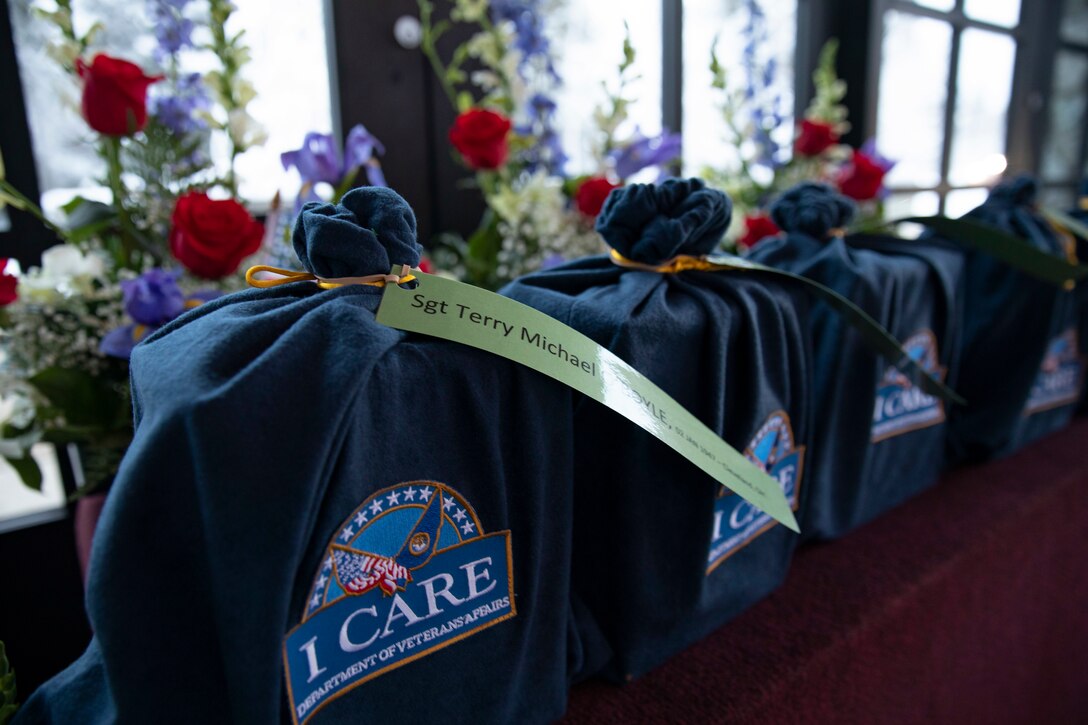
(968, 604)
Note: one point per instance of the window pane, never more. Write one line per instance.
(922, 203)
(961, 201)
(999, 12)
(1061, 148)
(913, 86)
(292, 87)
(16, 500)
(589, 45)
(707, 138)
(1075, 21)
(942, 5)
(1057, 197)
(982, 105)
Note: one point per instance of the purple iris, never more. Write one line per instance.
(151, 300)
(177, 111)
(319, 159)
(869, 149)
(644, 151)
(173, 30)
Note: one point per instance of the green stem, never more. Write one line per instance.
(111, 150)
(427, 45)
(20, 201)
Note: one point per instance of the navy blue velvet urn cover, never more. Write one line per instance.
(878, 438)
(1022, 357)
(664, 554)
(322, 517)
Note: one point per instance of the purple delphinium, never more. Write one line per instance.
(173, 31)
(767, 113)
(547, 151)
(319, 160)
(177, 107)
(645, 151)
(151, 300)
(529, 39)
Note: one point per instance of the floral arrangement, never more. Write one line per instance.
(773, 153)
(172, 236)
(536, 216)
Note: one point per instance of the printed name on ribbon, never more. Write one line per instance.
(462, 313)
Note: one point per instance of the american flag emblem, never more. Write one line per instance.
(359, 572)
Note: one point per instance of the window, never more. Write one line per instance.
(289, 70)
(1065, 151)
(945, 79)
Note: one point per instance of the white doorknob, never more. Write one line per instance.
(408, 32)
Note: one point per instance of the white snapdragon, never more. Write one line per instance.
(469, 11)
(64, 271)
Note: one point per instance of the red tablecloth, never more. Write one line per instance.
(968, 604)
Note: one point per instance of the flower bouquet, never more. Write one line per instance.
(773, 153)
(537, 216)
(171, 237)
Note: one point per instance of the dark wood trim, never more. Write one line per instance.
(27, 238)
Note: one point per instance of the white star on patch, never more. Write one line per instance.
(376, 507)
(327, 565)
(322, 581)
(315, 601)
(347, 533)
(424, 495)
(393, 498)
(409, 494)
(447, 503)
(460, 515)
(467, 527)
(360, 518)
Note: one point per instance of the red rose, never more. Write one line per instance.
(480, 136)
(757, 227)
(425, 265)
(815, 138)
(211, 238)
(114, 95)
(591, 193)
(862, 178)
(8, 285)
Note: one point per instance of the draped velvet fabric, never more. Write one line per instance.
(265, 419)
(659, 562)
(1019, 345)
(878, 438)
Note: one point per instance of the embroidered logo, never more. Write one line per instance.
(409, 572)
(1060, 377)
(737, 522)
(901, 406)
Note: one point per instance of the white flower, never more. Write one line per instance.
(469, 11)
(65, 271)
(244, 130)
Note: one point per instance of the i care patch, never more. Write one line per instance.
(901, 406)
(409, 572)
(736, 522)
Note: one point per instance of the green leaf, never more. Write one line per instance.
(1005, 247)
(84, 400)
(28, 471)
(872, 332)
(8, 705)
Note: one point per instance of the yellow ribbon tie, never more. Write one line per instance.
(286, 276)
(1083, 203)
(679, 263)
